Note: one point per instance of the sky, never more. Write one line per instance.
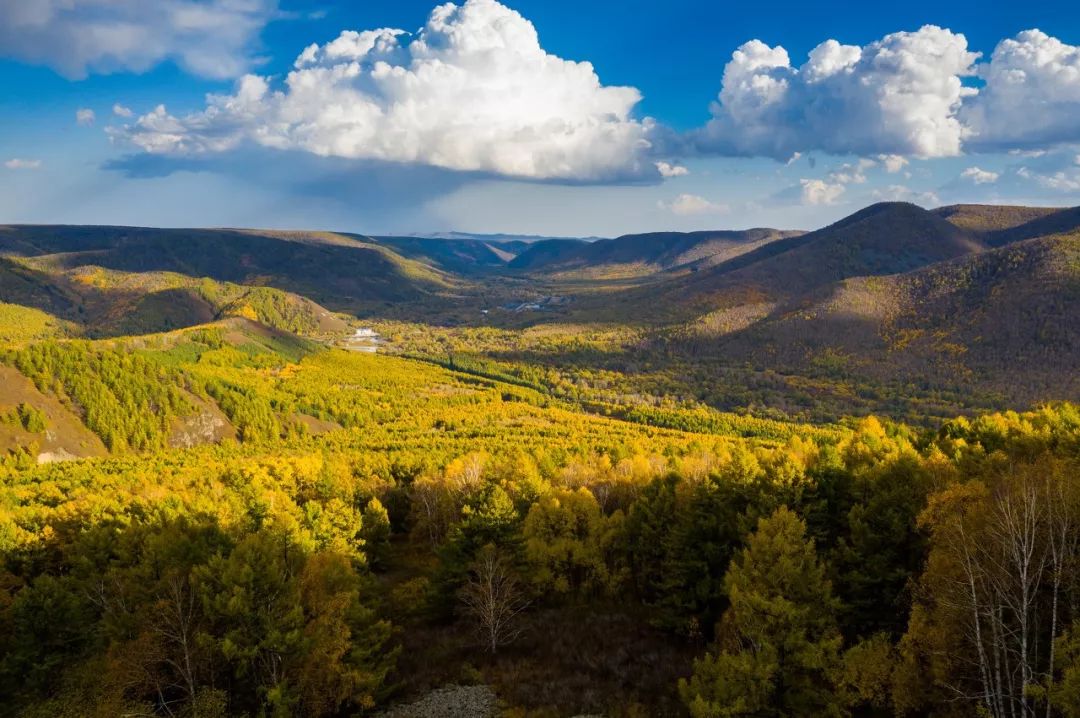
(544, 117)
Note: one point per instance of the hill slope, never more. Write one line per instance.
(461, 255)
(999, 327)
(883, 309)
(882, 239)
(96, 302)
(983, 220)
(339, 269)
(642, 254)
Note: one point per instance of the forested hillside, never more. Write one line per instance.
(641, 254)
(340, 553)
(263, 473)
(320, 265)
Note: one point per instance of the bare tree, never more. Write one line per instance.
(494, 600)
(177, 616)
(1064, 547)
(1013, 550)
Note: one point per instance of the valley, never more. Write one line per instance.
(249, 472)
(895, 310)
(539, 359)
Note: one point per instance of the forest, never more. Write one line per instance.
(380, 526)
(706, 475)
(539, 359)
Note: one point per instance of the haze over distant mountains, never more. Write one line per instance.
(493, 237)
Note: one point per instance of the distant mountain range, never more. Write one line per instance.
(986, 297)
(526, 238)
(961, 299)
(642, 254)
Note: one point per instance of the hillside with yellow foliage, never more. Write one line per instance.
(214, 502)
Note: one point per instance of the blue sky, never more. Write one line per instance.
(482, 119)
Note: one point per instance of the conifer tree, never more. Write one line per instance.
(778, 644)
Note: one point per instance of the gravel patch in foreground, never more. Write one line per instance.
(450, 702)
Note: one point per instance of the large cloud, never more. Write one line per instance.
(473, 91)
(898, 95)
(1031, 98)
(901, 96)
(211, 38)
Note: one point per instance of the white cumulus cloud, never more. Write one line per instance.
(979, 175)
(1060, 181)
(893, 163)
(895, 96)
(819, 192)
(899, 97)
(1031, 97)
(692, 204)
(849, 173)
(667, 170)
(85, 116)
(17, 163)
(210, 38)
(122, 111)
(472, 91)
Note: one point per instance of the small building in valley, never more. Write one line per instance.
(364, 340)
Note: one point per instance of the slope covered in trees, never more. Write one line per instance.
(95, 302)
(268, 576)
(1001, 325)
(642, 254)
(743, 490)
(322, 266)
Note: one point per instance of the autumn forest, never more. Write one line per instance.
(268, 474)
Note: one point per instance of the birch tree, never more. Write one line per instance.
(494, 600)
(991, 601)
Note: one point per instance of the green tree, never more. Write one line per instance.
(883, 549)
(345, 657)
(778, 648)
(45, 629)
(253, 601)
(682, 536)
(488, 519)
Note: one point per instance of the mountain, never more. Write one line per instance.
(497, 238)
(546, 253)
(901, 304)
(95, 302)
(882, 239)
(642, 254)
(1059, 221)
(983, 220)
(340, 270)
(886, 238)
(459, 255)
(974, 305)
(749, 272)
(1001, 326)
